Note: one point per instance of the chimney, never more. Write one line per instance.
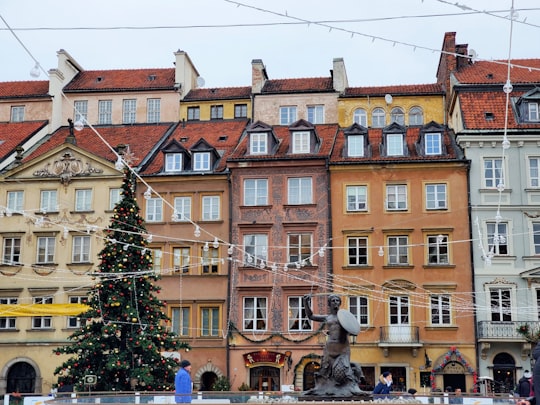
(339, 75)
(258, 75)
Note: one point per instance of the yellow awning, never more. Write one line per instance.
(42, 309)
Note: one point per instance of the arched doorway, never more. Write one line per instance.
(21, 377)
(309, 375)
(504, 372)
(264, 378)
(207, 381)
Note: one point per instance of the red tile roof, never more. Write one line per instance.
(219, 93)
(125, 79)
(140, 139)
(24, 89)
(222, 135)
(302, 85)
(13, 134)
(399, 90)
(493, 72)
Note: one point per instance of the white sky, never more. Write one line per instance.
(289, 48)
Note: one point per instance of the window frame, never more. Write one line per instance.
(300, 246)
(46, 245)
(8, 322)
(301, 193)
(153, 110)
(74, 322)
(501, 245)
(194, 113)
(287, 114)
(359, 307)
(83, 200)
(502, 311)
(492, 174)
(181, 320)
(115, 196)
(536, 238)
(181, 259)
(315, 114)
(173, 161)
(216, 112)
(378, 118)
(301, 142)
(213, 315)
(257, 193)
(534, 171)
(432, 143)
(361, 253)
(436, 196)
(80, 111)
(355, 200)
(154, 209)
(259, 318)
(399, 194)
(240, 111)
(533, 113)
(11, 250)
(182, 208)
(398, 250)
(440, 309)
(80, 249)
(360, 117)
(104, 112)
(210, 261)
(17, 113)
(355, 145)
(129, 111)
(416, 116)
(257, 251)
(201, 161)
(258, 143)
(397, 115)
(15, 201)
(48, 201)
(438, 250)
(42, 322)
(299, 322)
(394, 144)
(211, 208)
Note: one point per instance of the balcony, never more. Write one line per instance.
(399, 336)
(491, 331)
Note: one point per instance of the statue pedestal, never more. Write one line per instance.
(318, 398)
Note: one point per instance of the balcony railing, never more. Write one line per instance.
(504, 330)
(400, 334)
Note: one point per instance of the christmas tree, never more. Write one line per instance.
(120, 344)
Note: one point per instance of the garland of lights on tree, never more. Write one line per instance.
(123, 336)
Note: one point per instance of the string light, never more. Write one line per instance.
(35, 71)
(119, 165)
(216, 243)
(147, 194)
(197, 231)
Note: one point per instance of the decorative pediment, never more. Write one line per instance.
(67, 166)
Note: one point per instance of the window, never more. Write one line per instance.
(433, 144)
(12, 251)
(255, 248)
(287, 115)
(497, 234)
(15, 201)
(298, 320)
(17, 114)
(299, 248)
(154, 210)
(398, 250)
(258, 144)
(378, 118)
(357, 251)
(42, 322)
(49, 202)
(157, 254)
(201, 161)
(81, 249)
(81, 111)
(300, 142)
(105, 112)
(115, 195)
(397, 115)
(8, 322)
(216, 112)
(255, 192)
(129, 111)
(180, 320)
(534, 173)
(182, 208)
(493, 172)
(255, 313)
(416, 116)
(436, 196)
(173, 162)
(193, 113)
(45, 249)
(240, 110)
(211, 208)
(394, 144)
(536, 237)
(360, 117)
(153, 110)
(181, 259)
(83, 200)
(358, 306)
(210, 260)
(74, 321)
(533, 112)
(501, 305)
(399, 310)
(315, 114)
(356, 198)
(396, 197)
(210, 322)
(439, 307)
(437, 249)
(299, 190)
(355, 145)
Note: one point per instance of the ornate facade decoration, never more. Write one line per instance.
(66, 168)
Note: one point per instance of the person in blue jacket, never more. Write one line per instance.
(182, 383)
(383, 387)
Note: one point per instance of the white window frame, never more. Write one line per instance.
(115, 195)
(11, 253)
(75, 321)
(396, 197)
(493, 171)
(45, 249)
(15, 201)
(298, 320)
(360, 117)
(359, 307)
(436, 196)
(357, 251)
(534, 171)
(315, 114)
(500, 302)
(154, 209)
(211, 208)
(157, 255)
(255, 314)
(416, 116)
(181, 256)
(48, 201)
(378, 118)
(210, 260)
(255, 192)
(105, 112)
(533, 112)
(80, 111)
(299, 190)
(397, 115)
(440, 309)
(438, 250)
(433, 143)
(355, 145)
(182, 208)
(301, 142)
(287, 114)
(129, 111)
(398, 250)
(535, 238)
(394, 144)
(201, 161)
(42, 322)
(258, 143)
(8, 322)
(153, 110)
(299, 247)
(83, 199)
(497, 238)
(173, 162)
(81, 249)
(255, 248)
(356, 198)
(17, 113)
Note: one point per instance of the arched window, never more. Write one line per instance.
(360, 117)
(378, 118)
(397, 115)
(416, 116)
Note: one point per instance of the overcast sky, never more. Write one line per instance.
(382, 42)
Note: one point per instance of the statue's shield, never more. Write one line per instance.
(348, 322)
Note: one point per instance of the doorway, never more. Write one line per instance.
(207, 381)
(21, 378)
(264, 378)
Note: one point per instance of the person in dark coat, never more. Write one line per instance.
(383, 387)
(525, 385)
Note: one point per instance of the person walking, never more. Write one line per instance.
(525, 385)
(383, 387)
(182, 383)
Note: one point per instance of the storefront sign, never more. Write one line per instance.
(264, 357)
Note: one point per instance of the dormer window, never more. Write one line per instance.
(258, 143)
(173, 162)
(394, 144)
(533, 112)
(201, 161)
(355, 145)
(433, 144)
(301, 142)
